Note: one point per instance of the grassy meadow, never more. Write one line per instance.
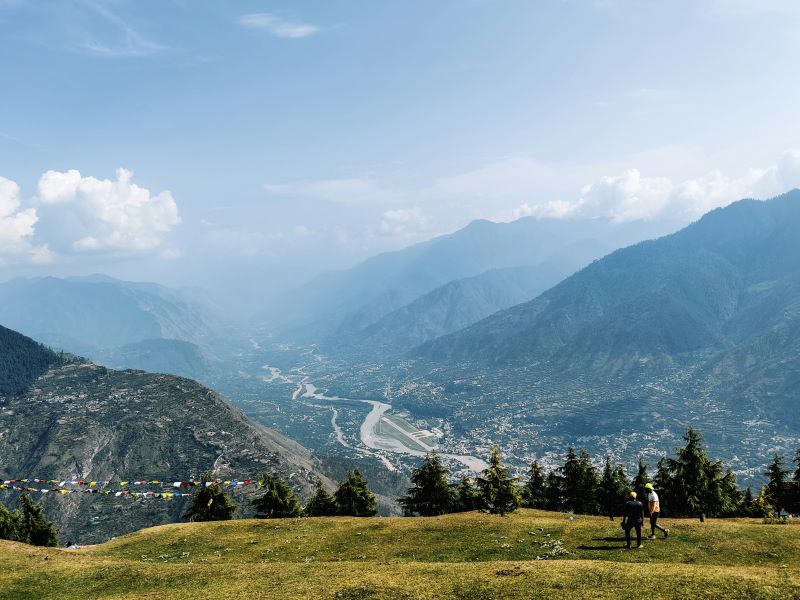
(529, 554)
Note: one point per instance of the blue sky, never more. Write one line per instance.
(173, 140)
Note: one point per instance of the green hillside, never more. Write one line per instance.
(469, 555)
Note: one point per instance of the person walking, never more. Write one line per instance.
(654, 509)
(633, 519)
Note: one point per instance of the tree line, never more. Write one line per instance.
(689, 484)
(277, 500)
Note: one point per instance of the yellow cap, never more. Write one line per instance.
(632, 495)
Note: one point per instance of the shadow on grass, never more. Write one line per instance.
(617, 546)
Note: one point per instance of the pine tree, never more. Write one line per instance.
(277, 500)
(353, 497)
(795, 494)
(695, 477)
(430, 494)
(665, 484)
(554, 492)
(34, 528)
(587, 503)
(641, 479)
(321, 503)
(10, 522)
(777, 484)
(580, 483)
(748, 503)
(466, 496)
(497, 490)
(732, 497)
(570, 479)
(612, 489)
(533, 492)
(210, 503)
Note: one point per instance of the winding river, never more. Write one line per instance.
(373, 440)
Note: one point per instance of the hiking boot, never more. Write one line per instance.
(666, 533)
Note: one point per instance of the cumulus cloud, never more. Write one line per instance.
(110, 215)
(17, 227)
(630, 196)
(277, 26)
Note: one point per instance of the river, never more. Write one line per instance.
(374, 440)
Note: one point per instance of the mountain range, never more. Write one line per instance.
(701, 326)
(119, 323)
(344, 309)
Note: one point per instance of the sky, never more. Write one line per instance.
(213, 143)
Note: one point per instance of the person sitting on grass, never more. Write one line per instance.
(633, 517)
(654, 508)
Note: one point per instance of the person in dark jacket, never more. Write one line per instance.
(633, 517)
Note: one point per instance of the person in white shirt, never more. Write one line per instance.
(654, 508)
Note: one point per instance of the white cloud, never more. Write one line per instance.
(17, 226)
(630, 196)
(554, 209)
(115, 215)
(625, 197)
(403, 222)
(277, 26)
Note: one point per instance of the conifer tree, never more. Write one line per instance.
(10, 521)
(641, 479)
(321, 503)
(612, 489)
(276, 500)
(33, 527)
(580, 481)
(533, 492)
(210, 503)
(497, 490)
(695, 478)
(777, 484)
(570, 479)
(795, 494)
(587, 503)
(430, 494)
(748, 503)
(554, 491)
(466, 496)
(353, 497)
(731, 496)
(664, 483)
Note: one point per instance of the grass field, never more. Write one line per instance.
(466, 556)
